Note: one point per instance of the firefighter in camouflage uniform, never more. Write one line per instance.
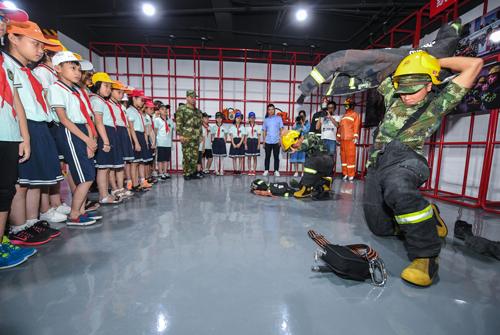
(189, 121)
(392, 202)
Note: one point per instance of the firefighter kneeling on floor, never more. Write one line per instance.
(393, 203)
(316, 181)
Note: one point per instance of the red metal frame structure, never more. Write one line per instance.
(172, 54)
(409, 30)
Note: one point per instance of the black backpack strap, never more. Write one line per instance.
(416, 115)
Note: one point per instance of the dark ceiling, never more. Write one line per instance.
(332, 25)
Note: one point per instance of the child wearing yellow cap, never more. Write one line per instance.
(108, 154)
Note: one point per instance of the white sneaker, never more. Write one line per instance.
(64, 209)
(296, 174)
(345, 178)
(266, 173)
(276, 173)
(53, 216)
(351, 178)
(222, 173)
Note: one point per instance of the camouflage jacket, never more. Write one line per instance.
(189, 122)
(313, 144)
(397, 114)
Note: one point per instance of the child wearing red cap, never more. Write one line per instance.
(25, 44)
(148, 112)
(14, 146)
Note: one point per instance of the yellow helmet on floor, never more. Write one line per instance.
(418, 63)
(290, 138)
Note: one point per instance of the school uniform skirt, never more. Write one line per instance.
(219, 147)
(54, 131)
(42, 168)
(82, 167)
(112, 159)
(144, 155)
(253, 147)
(151, 150)
(125, 144)
(237, 152)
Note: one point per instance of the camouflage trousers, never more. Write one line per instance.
(189, 157)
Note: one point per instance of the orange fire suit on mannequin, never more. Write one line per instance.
(347, 135)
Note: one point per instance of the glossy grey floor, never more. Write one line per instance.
(208, 257)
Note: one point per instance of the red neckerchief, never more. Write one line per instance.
(152, 123)
(6, 92)
(167, 128)
(122, 113)
(48, 68)
(37, 88)
(83, 107)
(87, 99)
(252, 126)
(238, 131)
(110, 109)
(142, 120)
(218, 130)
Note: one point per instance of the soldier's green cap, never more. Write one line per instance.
(411, 83)
(191, 93)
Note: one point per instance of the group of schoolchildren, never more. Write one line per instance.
(61, 121)
(244, 142)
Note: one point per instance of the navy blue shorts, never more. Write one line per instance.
(82, 167)
(125, 143)
(253, 147)
(112, 159)
(54, 131)
(219, 147)
(164, 154)
(42, 168)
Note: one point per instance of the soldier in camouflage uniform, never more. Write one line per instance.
(392, 201)
(318, 166)
(189, 121)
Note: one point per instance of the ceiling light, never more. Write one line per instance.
(10, 4)
(148, 9)
(301, 15)
(495, 36)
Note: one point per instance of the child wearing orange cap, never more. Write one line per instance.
(123, 141)
(14, 146)
(108, 156)
(25, 44)
(76, 132)
(51, 205)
